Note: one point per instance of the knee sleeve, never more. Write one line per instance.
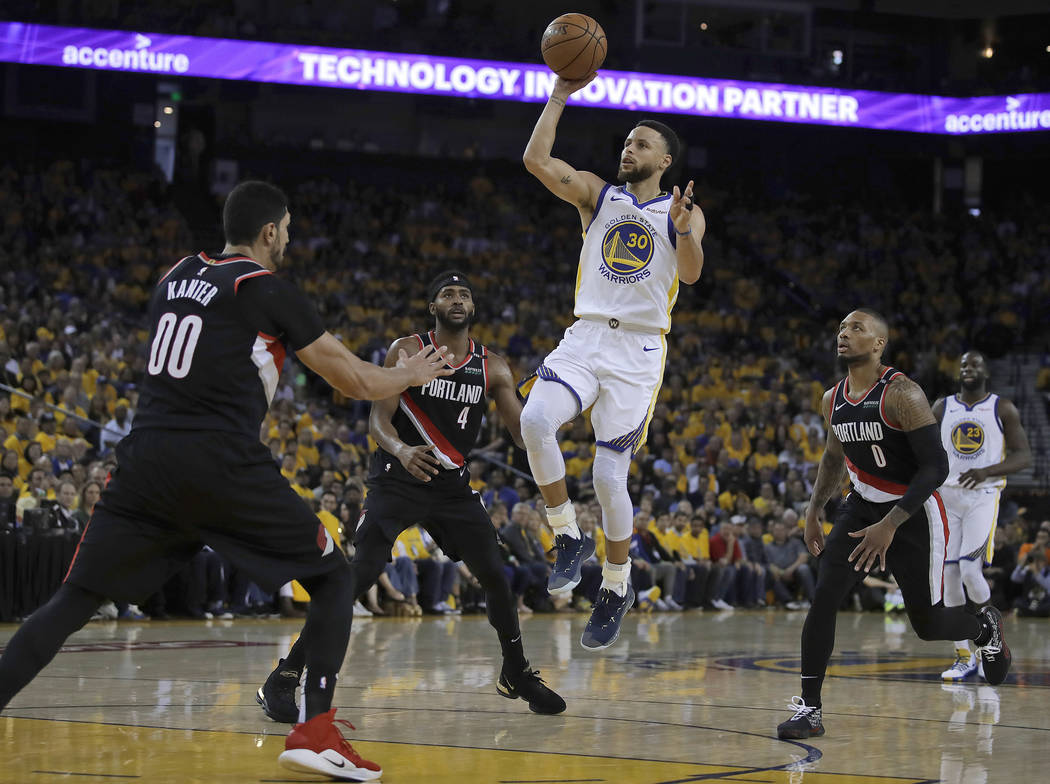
(550, 405)
(610, 486)
(973, 579)
(953, 586)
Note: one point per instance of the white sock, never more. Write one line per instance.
(562, 520)
(615, 577)
(962, 645)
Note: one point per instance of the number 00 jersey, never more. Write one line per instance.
(445, 413)
(628, 267)
(973, 438)
(217, 344)
(879, 459)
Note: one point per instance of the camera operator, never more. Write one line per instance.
(1034, 575)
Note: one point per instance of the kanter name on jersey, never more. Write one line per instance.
(858, 431)
(193, 288)
(453, 390)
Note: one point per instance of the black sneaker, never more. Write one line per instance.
(806, 723)
(565, 574)
(603, 627)
(529, 686)
(995, 654)
(277, 695)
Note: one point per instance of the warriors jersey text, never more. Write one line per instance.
(879, 458)
(628, 268)
(973, 438)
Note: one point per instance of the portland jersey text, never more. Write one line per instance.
(879, 459)
(207, 369)
(445, 413)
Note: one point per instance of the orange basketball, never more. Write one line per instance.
(573, 46)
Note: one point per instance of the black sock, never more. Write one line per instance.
(327, 632)
(811, 690)
(503, 615)
(37, 641)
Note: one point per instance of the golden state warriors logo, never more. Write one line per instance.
(627, 249)
(967, 438)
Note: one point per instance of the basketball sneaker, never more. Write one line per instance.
(277, 695)
(647, 599)
(526, 684)
(603, 627)
(317, 746)
(995, 654)
(565, 574)
(806, 723)
(965, 665)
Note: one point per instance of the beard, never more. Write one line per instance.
(845, 361)
(456, 323)
(636, 174)
(973, 384)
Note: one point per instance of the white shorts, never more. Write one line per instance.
(971, 522)
(618, 371)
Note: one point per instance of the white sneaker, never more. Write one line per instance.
(107, 611)
(964, 666)
(722, 604)
(673, 605)
(794, 605)
(360, 611)
(647, 599)
(661, 605)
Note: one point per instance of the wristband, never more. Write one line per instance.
(683, 233)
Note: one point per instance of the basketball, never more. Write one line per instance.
(573, 45)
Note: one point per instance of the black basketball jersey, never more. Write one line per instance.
(879, 459)
(209, 368)
(446, 413)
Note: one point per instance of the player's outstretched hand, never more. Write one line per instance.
(681, 205)
(876, 541)
(563, 88)
(426, 364)
(418, 462)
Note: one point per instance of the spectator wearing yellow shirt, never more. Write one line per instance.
(46, 436)
(306, 453)
(738, 447)
(25, 431)
(765, 499)
(301, 485)
(288, 467)
(69, 403)
(764, 456)
(813, 447)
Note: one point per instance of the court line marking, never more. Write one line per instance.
(93, 775)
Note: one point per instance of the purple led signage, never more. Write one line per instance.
(219, 58)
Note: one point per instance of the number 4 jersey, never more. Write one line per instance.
(446, 414)
(879, 459)
(218, 335)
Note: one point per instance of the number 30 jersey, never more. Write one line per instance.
(218, 335)
(445, 413)
(879, 459)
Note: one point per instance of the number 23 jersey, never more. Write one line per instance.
(879, 459)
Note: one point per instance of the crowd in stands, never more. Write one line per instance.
(719, 486)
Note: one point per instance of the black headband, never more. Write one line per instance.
(452, 279)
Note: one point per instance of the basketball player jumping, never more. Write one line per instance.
(882, 432)
(985, 441)
(419, 475)
(193, 472)
(639, 243)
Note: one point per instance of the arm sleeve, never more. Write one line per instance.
(275, 307)
(933, 467)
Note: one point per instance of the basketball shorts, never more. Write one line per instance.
(972, 515)
(174, 491)
(459, 523)
(618, 371)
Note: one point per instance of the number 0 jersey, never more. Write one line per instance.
(217, 344)
(446, 413)
(879, 459)
(973, 438)
(628, 268)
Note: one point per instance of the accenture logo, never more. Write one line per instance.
(137, 58)
(1014, 118)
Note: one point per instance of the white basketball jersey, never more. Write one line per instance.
(973, 438)
(628, 269)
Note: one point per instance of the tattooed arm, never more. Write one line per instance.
(830, 473)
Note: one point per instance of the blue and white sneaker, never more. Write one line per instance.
(603, 627)
(565, 574)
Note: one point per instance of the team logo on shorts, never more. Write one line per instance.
(967, 438)
(627, 248)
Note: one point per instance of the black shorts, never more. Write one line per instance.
(459, 522)
(177, 490)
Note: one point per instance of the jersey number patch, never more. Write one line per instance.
(174, 345)
(461, 420)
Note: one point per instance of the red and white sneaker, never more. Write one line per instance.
(317, 746)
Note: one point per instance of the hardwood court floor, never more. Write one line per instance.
(679, 698)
